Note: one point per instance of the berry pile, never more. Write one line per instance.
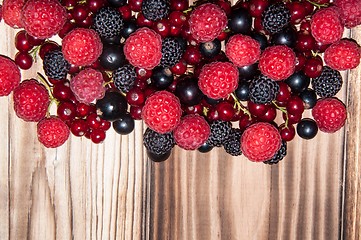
(200, 75)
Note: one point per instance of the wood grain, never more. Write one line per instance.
(112, 191)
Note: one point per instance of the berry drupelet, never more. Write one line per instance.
(328, 83)
(108, 22)
(124, 77)
(276, 17)
(263, 90)
(158, 143)
(55, 66)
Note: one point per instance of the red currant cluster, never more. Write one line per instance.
(200, 75)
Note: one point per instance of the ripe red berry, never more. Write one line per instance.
(52, 132)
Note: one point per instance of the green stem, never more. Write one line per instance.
(317, 4)
(282, 109)
(238, 105)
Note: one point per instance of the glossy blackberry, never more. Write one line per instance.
(155, 10)
(263, 90)
(328, 83)
(276, 17)
(108, 22)
(158, 143)
(55, 66)
(232, 145)
(172, 52)
(279, 155)
(220, 131)
(124, 77)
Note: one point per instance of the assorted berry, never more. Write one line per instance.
(203, 75)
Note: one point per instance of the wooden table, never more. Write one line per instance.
(112, 191)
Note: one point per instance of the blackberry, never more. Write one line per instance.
(263, 90)
(276, 17)
(172, 52)
(108, 22)
(124, 77)
(55, 66)
(220, 131)
(328, 83)
(280, 154)
(158, 143)
(155, 10)
(232, 145)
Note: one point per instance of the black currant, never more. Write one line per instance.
(112, 40)
(210, 49)
(162, 77)
(309, 97)
(298, 82)
(205, 147)
(112, 57)
(117, 3)
(188, 92)
(307, 128)
(287, 36)
(112, 106)
(261, 38)
(240, 21)
(249, 72)
(124, 125)
(242, 91)
(128, 28)
(158, 157)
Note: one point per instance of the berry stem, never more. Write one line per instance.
(238, 105)
(49, 88)
(282, 109)
(34, 51)
(318, 5)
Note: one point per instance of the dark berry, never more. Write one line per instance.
(159, 157)
(162, 77)
(188, 92)
(287, 36)
(309, 98)
(172, 52)
(124, 77)
(112, 106)
(263, 90)
(112, 57)
(280, 154)
(298, 82)
(249, 72)
(155, 10)
(232, 145)
(108, 22)
(307, 128)
(328, 84)
(210, 49)
(128, 28)
(242, 91)
(55, 66)
(124, 125)
(220, 130)
(158, 143)
(240, 21)
(276, 17)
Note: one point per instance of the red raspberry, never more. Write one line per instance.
(277, 62)
(191, 132)
(162, 112)
(326, 25)
(11, 12)
(31, 100)
(243, 50)
(343, 55)
(82, 47)
(218, 79)
(9, 75)
(87, 85)
(143, 48)
(330, 114)
(260, 142)
(43, 18)
(350, 12)
(207, 21)
(52, 132)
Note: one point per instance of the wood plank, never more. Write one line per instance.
(352, 182)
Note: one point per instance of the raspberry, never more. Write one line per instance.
(343, 55)
(52, 132)
(350, 12)
(87, 85)
(11, 12)
(206, 22)
(326, 26)
(143, 48)
(243, 50)
(218, 79)
(43, 18)
(162, 112)
(191, 132)
(260, 142)
(9, 75)
(277, 62)
(330, 114)
(82, 47)
(31, 100)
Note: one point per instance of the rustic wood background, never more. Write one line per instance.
(112, 191)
